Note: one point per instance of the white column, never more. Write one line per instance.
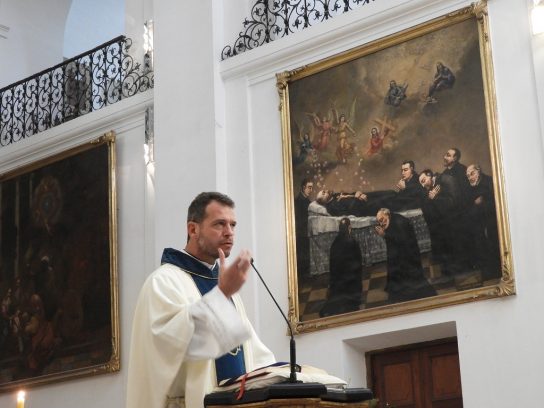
(185, 151)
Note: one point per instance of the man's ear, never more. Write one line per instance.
(192, 228)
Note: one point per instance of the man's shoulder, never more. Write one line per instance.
(301, 199)
(460, 169)
(168, 271)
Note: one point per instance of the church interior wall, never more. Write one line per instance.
(217, 126)
(487, 331)
(133, 177)
(35, 32)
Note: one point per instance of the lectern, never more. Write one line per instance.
(278, 396)
(297, 403)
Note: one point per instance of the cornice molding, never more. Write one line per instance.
(334, 36)
(119, 117)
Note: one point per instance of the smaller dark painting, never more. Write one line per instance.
(58, 311)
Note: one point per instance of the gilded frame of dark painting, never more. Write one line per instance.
(58, 268)
(425, 90)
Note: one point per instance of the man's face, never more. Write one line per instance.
(449, 158)
(308, 189)
(374, 132)
(215, 231)
(406, 172)
(473, 175)
(383, 219)
(323, 196)
(426, 181)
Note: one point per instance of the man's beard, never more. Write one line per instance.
(210, 250)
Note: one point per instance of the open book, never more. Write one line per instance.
(278, 373)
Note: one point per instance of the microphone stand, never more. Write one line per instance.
(292, 346)
(291, 388)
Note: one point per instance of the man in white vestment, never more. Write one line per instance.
(190, 330)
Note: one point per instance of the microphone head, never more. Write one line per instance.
(251, 261)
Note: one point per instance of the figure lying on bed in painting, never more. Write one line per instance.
(358, 203)
(361, 204)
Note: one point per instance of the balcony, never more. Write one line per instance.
(80, 85)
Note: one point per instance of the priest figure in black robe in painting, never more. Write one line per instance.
(405, 277)
(409, 193)
(482, 224)
(302, 201)
(346, 273)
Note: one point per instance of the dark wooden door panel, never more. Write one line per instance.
(399, 385)
(422, 376)
(441, 376)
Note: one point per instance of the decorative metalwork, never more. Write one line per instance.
(149, 141)
(83, 84)
(273, 19)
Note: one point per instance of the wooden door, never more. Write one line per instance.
(420, 376)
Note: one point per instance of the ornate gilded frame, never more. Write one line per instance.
(295, 89)
(58, 275)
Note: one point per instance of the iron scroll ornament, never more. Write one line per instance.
(270, 20)
(80, 85)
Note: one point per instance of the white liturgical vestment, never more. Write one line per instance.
(177, 334)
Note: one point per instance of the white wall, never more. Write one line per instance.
(538, 58)
(185, 150)
(35, 37)
(497, 338)
(218, 127)
(90, 24)
(134, 192)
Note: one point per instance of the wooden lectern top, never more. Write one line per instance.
(296, 403)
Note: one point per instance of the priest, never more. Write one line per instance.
(190, 330)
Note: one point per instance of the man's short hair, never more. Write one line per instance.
(320, 197)
(410, 162)
(197, 208)
(427, 172)
(384, 211)
(457, 153)
(305, 181)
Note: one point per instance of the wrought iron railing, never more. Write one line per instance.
(273, 19)
(79, 85)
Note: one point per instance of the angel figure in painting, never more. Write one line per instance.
(305, 147)
(342, 127)
(324, 128)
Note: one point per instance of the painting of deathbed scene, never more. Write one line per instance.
(393, 184)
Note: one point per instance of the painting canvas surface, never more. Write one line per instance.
(355, 124)
(56, 269)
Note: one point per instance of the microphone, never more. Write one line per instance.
(292, 388)
(293, 353)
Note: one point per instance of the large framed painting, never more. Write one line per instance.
(58, 268)
(393, 181)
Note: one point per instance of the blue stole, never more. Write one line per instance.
(232, 364)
